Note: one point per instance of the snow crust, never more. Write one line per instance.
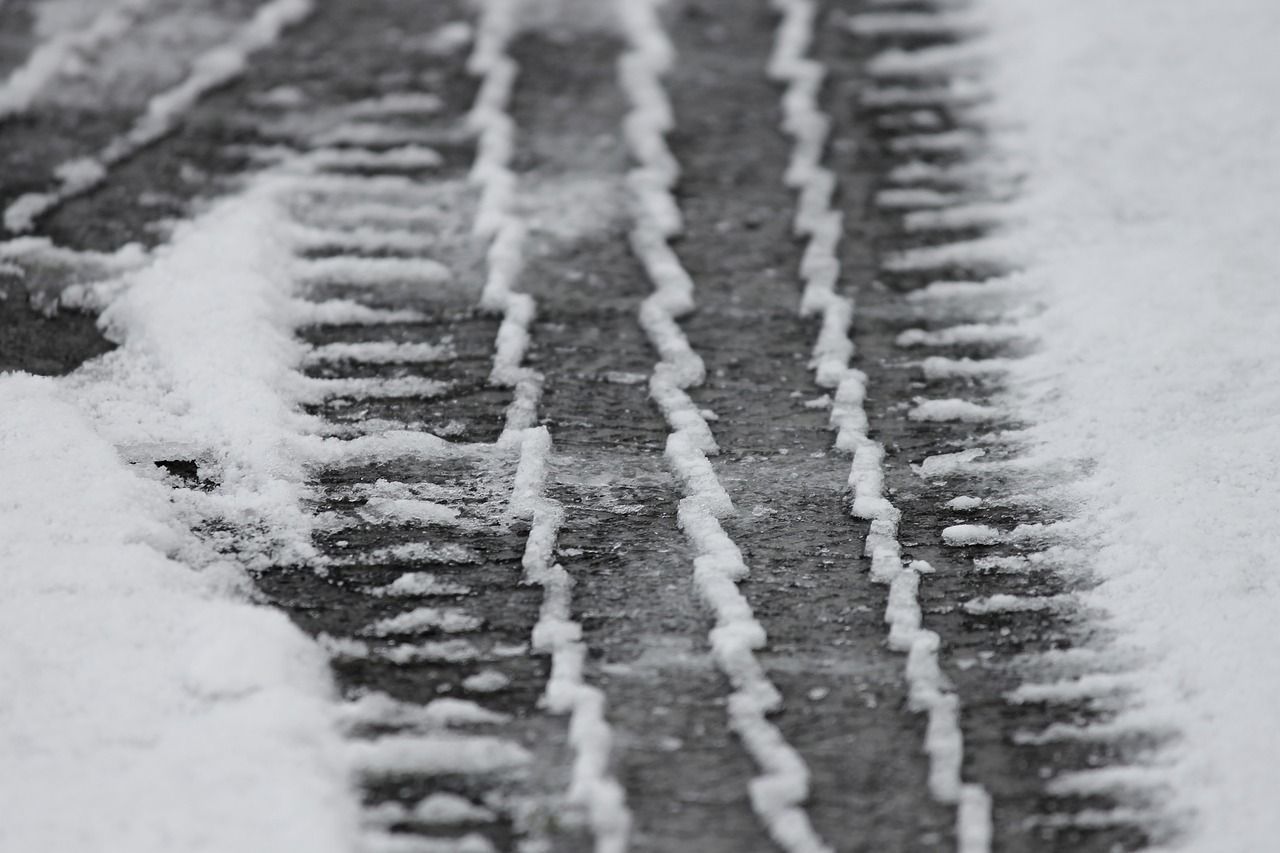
(1150, 134)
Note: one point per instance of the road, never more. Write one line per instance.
(535, 592)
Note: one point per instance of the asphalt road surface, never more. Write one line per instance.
(397, 533)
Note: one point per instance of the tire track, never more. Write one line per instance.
(164, 110)
(1005, 555)
(422, 543)
(929, 692)
(682, 769)
(592, 788)
(782, 786)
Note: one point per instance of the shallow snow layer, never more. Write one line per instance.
(1152, 135)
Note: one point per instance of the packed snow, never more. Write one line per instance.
(148, 698)
(1150, 136)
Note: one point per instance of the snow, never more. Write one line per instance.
(1150, 135)
(435, 754)
(371, 272)
(952, 410)
(819, 269)
(592, 787)
(424, 619)
(380, 710)
(211, 69)
(485, 681)
(158, 710)
(421, 584)
(382, 352)
(779, 791)
(441, 809)
(147, 678)
(61, 52)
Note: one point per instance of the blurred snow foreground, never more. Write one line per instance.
(1149, 135)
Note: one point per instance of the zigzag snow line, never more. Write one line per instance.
(815, 219)
(777, 794)
(591, 787)
(212, 69)
(23, 85)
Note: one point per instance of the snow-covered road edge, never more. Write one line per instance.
(142, 692)
(1150, 137)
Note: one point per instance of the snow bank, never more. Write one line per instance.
(1151, 134)
(144, 708)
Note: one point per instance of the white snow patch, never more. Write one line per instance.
(437, 754)
(971, 534)
(952, 410)
(486, 681)
(446, 619)
(141, 680)
(1155, 237)
(421, 584)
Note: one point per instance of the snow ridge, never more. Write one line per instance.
(778, 793)
(592, 787)
(214, 68)
(805, 122)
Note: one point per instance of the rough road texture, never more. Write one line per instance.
(684, 771)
